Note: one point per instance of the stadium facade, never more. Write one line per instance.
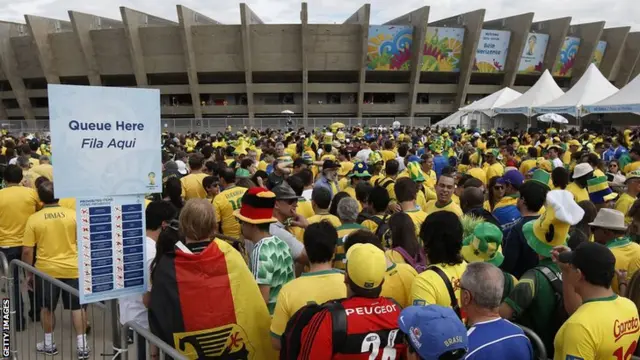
(412, 66)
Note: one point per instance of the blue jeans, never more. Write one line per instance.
(13, 253)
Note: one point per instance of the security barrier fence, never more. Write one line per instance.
(213, 125)
(31, 294)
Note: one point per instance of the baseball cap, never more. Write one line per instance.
(594, 260)
(635, 174)
(513, 177)
(330, 164)
(433, 330)
(366, 266)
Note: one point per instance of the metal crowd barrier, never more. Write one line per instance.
(152, 346)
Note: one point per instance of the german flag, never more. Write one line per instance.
(208, 306)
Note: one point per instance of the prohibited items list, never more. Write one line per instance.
(111, 252)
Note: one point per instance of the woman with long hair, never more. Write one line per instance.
(405, 247)
(172, 192)
(496, 192)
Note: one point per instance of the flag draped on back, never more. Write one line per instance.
(207, 305)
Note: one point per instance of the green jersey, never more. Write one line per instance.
(272, 264)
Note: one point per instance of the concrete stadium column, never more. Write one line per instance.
(519, 26)
(10, 67)
(247, 18)
(304, 22)
(472, 23)
(615, 38)
(187, 18)
(82, 25)
(40, 28)
(133, 20)
(362, 17)
(419, 20)
(589, 34)
(630, 56)
(557, 30)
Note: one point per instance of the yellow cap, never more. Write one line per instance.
(366, 265)
(574, 142)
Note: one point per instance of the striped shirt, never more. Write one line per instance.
(339, 260)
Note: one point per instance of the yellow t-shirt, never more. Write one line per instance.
(624, 204)
(397, 283)
(423, 197)
(395, 256)
(69, 203)
(478, 173)
(317, 287)
(17, 203)
(605, 328)
(352, 193)
(631, 167)
(339, 258)
(224, 205)
(390, 187)
(375, 178)
(429, 288)
(527, 165)
(192, 186)
(332, 219)
(45, 170)
(417, 216)
(566, 157)
(455, 199)
(597, 172)
(53, 231)
(305, 208)
(627, 255)
(371, 225)
(494, 170)
(451, 206)
(388, 155)
(430, 179)
(579, 194)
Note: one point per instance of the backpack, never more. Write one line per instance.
(383, 232)
(420, 264)
(452, 295)
(560, 314)
(291, 340)
(384, 184)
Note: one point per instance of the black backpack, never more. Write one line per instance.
(560, 314)
(383, 232)
(290, 342)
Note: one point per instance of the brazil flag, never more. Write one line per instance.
(208, 306)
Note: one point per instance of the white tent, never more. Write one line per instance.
(543, 91)
(453, 120)
(488, 103)
(591, 87)
(627, 100)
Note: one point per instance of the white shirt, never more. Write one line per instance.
(556, 163)
(363, 155)
(307, 194)
(131, 307)
(400, 161)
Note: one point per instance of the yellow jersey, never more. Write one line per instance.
(339, 258)
(45, 170)
(389, 185)
(332, 219)
(395, 256)
(397, 283)
(631, 167)
(527, 165)
(451, 206)
(53, 231)
(352, 193)
(192, 186)
(305, 208)
(69, 203)
(372, 225)
(624, 204)
(17, 204)
(224, 204)
(375, 178)
(344, 183)
(627, 254)
(579, 194)
(605, 328)
(494, 170)
(430, 179)
(388, 155)
(315, 287)
(417, 216)
(429, 288)
(477, 173)
(455, 198)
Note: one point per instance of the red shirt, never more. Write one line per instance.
(372, 332)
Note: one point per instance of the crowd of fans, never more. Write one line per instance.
(363, 243)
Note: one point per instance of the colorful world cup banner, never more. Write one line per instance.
(111, 247)
(107, 140)
(598, 54)
(533, 54)
(442, 49)
(389, 47)
(563, 66)
(491, 54)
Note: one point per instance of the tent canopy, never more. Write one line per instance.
(542, 92)
(625, 100)
(591, 87)
(497, 99)
(453, 119)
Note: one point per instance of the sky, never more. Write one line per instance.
(614, 12)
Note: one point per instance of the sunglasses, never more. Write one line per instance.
(290, 201)
(613, 165)
(498, 187)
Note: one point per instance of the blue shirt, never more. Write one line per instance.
(324, 183)
(498, 339)
(439, 163)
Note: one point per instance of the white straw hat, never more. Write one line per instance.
(582, 170)
(609, 219)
